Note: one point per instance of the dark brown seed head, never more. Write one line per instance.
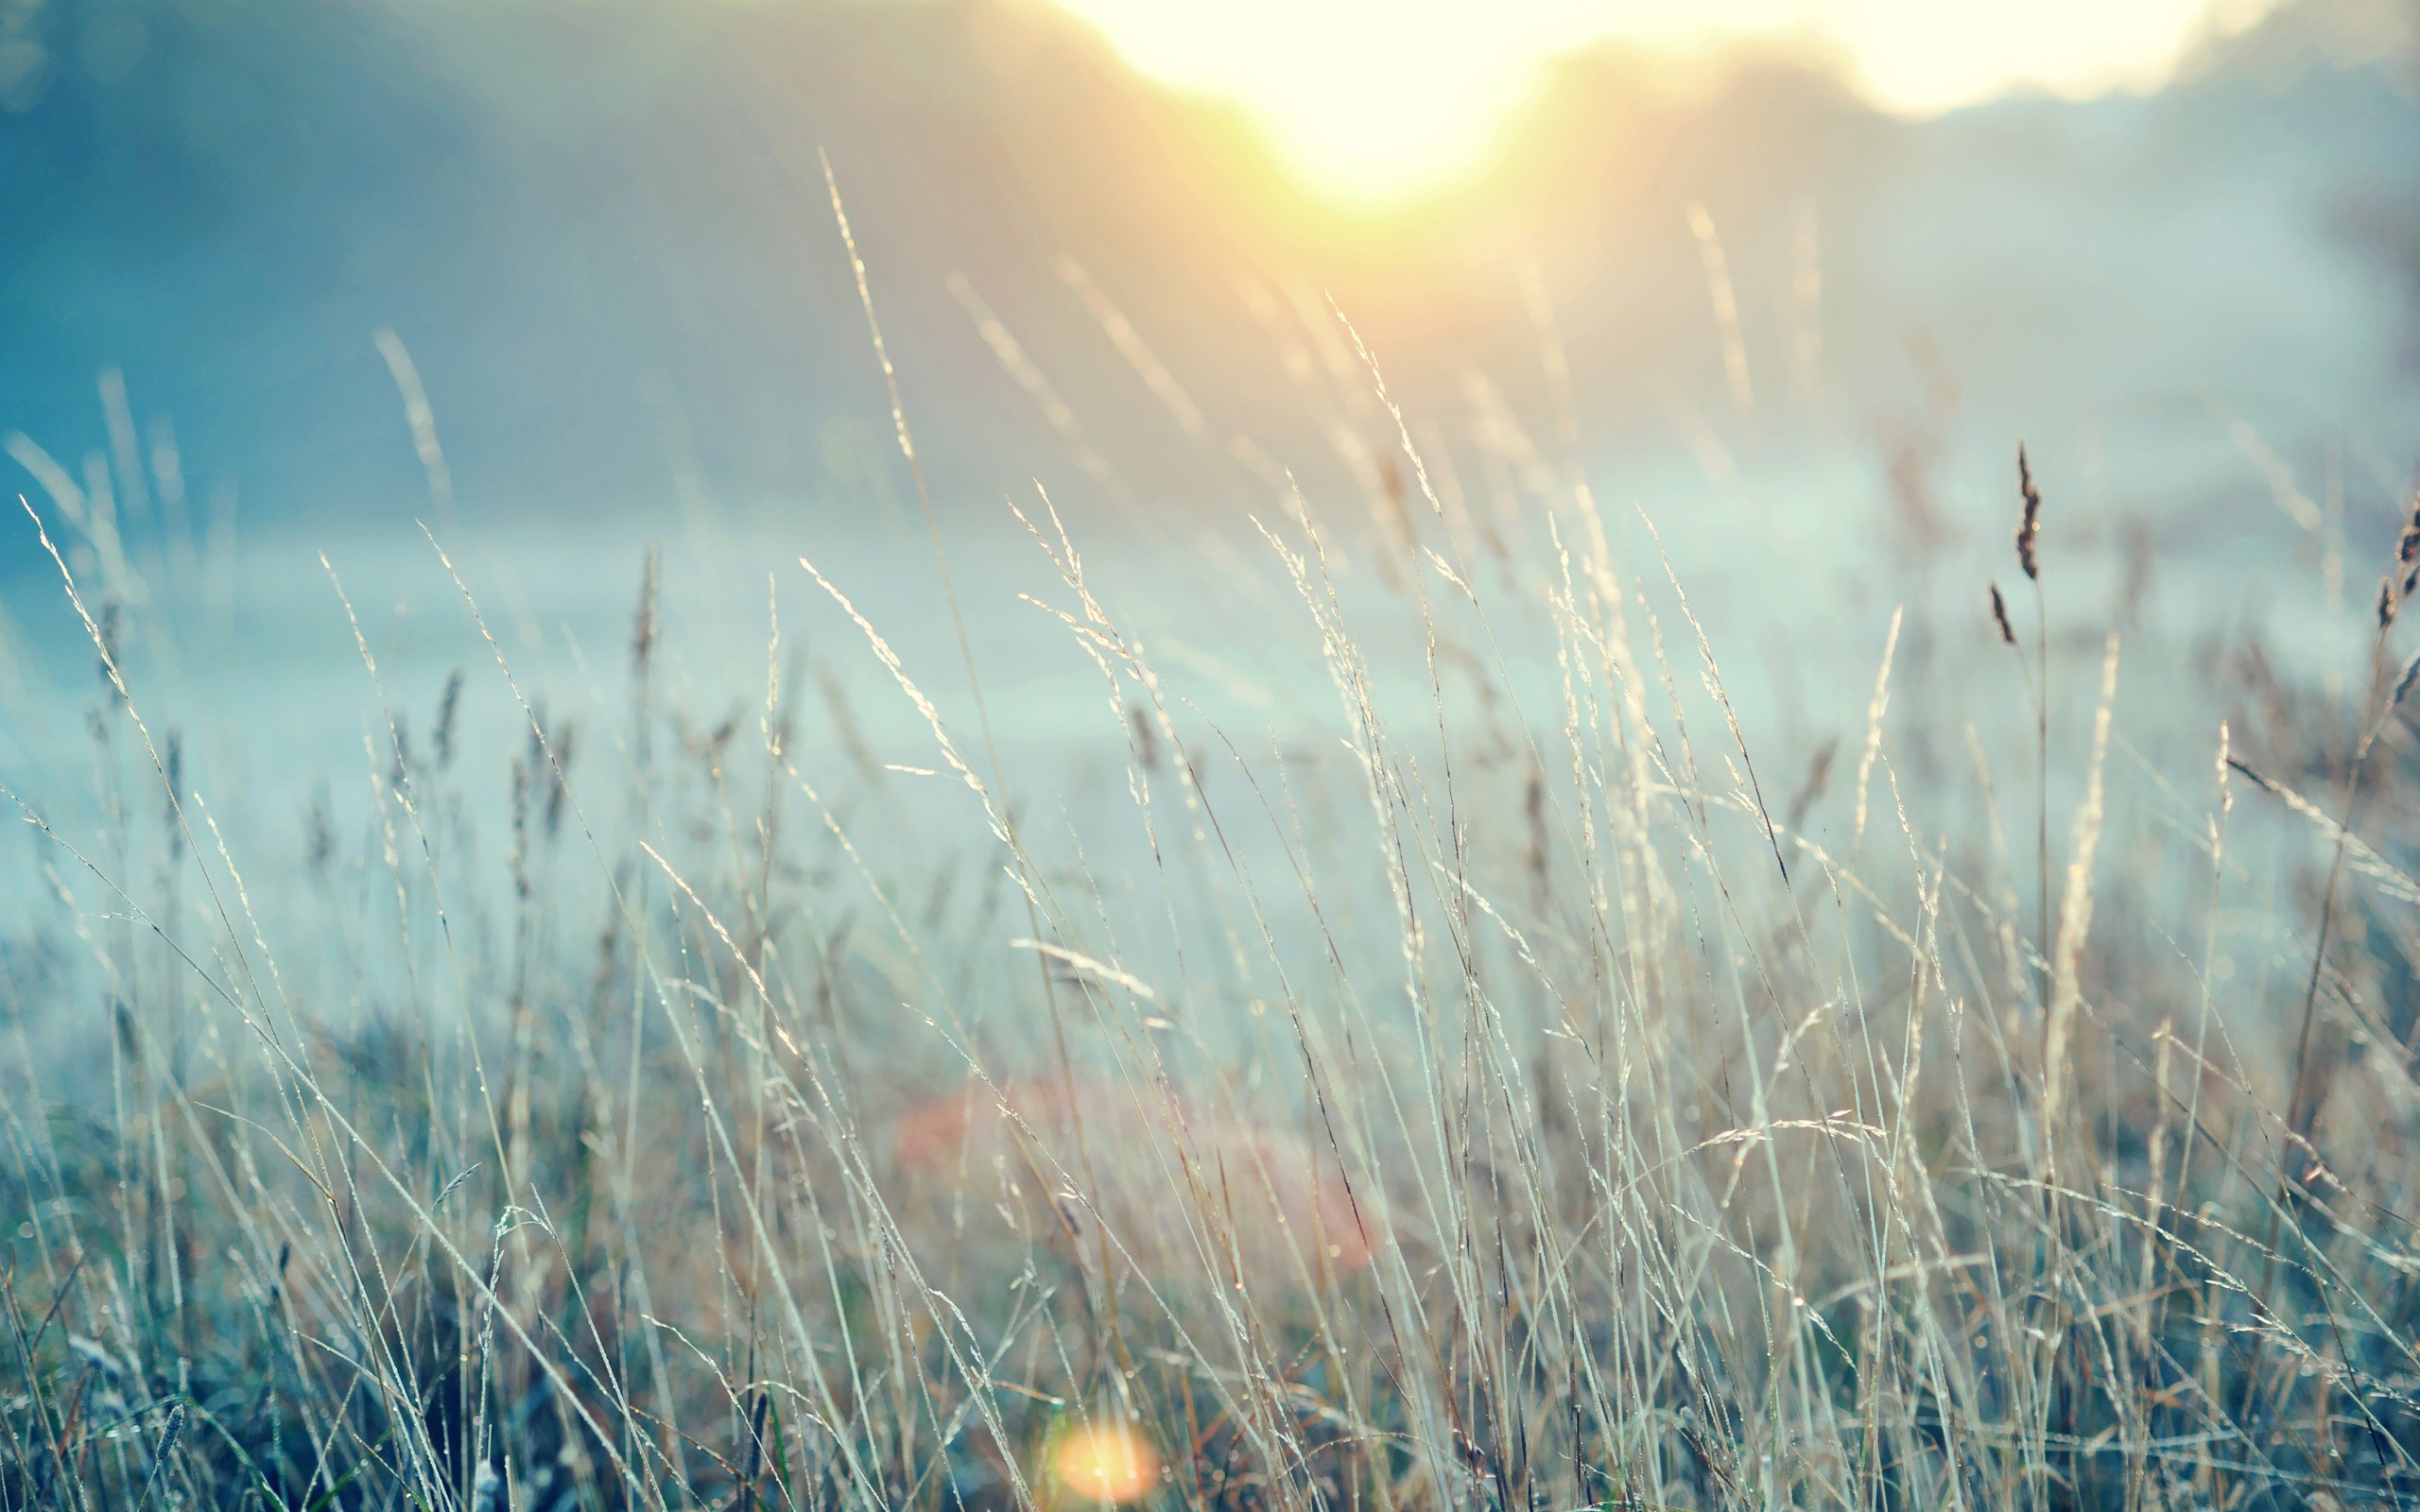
(1147, 740)
(112, 625)
(2028, 528)
(1999, 615)
(644, 626)
(175, 776)
(558, 766)
(2401, 583)
(449, 704)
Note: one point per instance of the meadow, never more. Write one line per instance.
(793, 1066)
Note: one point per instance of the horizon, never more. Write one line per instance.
(1369, 105)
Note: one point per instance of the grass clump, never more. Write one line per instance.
(1485, 1102)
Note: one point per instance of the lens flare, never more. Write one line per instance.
(1104, 1462)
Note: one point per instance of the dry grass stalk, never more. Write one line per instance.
(1431, 1114)
(2075, 918)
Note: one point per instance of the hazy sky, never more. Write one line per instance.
(1373, 98)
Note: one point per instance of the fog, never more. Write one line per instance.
(1799, 336)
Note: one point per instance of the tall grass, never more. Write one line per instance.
(1490, 1103)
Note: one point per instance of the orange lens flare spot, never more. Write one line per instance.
(1105, 1463)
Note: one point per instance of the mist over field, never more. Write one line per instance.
(818, 753)
(602, 232)
(602, 236)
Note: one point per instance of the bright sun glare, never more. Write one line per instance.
(1374, 101)
(1370, 100)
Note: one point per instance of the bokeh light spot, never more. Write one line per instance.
(1105, 1461)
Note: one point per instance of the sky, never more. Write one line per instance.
(1376, 100)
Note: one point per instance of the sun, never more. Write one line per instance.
(1377, 102)
(1382, 135)
(1369, 102)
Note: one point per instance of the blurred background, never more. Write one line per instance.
(603, 236)
(602, 233)
(1442, 589)
(560, 279)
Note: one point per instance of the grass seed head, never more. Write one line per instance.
(2407, 560)
(2029, 527)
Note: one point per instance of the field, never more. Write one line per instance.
(1403, 1031)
